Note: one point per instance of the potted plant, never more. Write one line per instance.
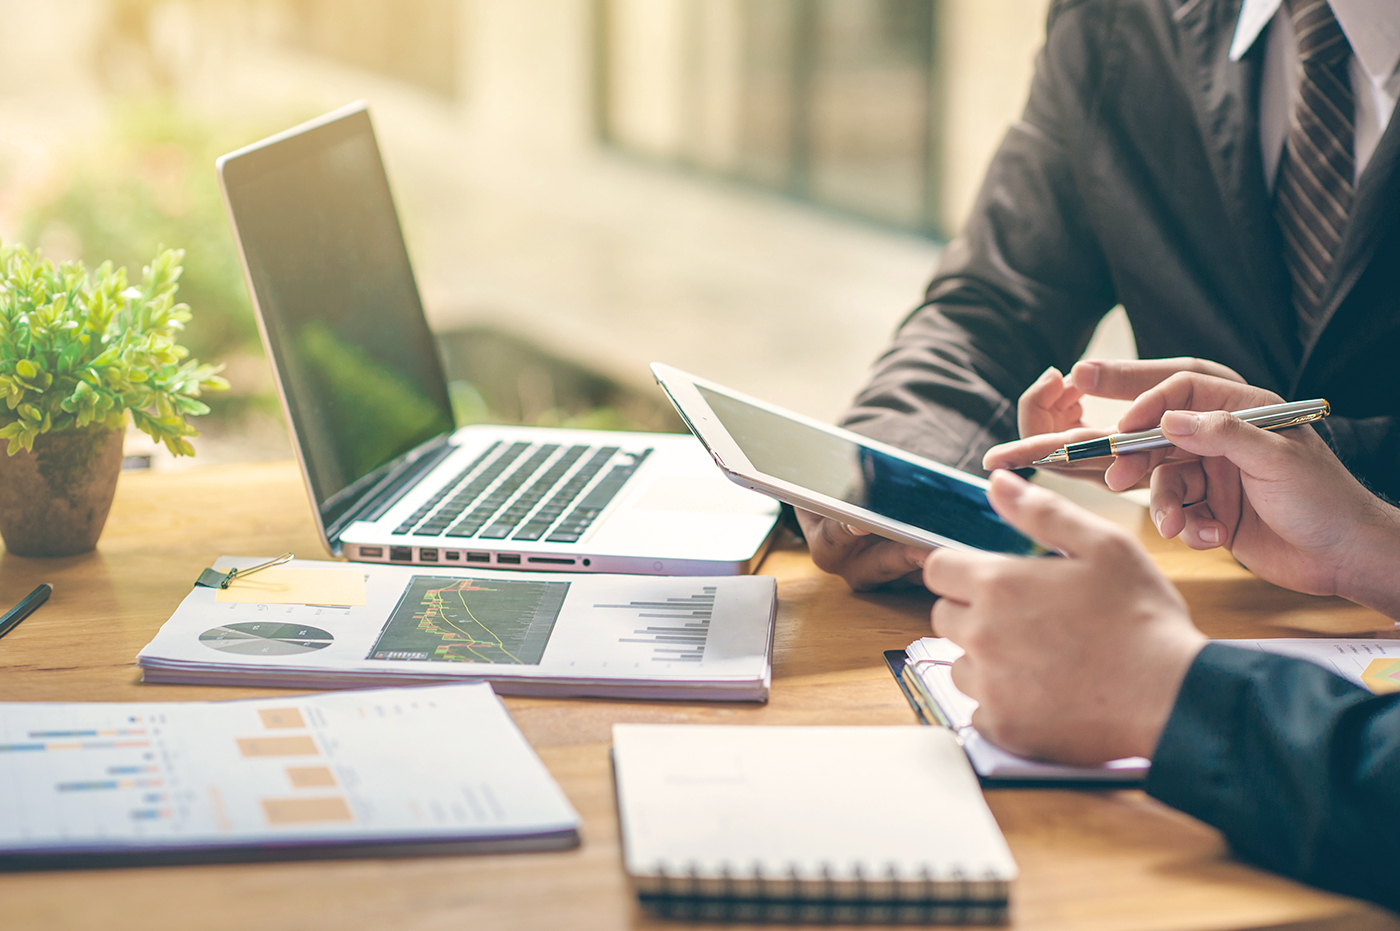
(79, 351)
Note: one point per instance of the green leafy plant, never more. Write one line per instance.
(79, 349)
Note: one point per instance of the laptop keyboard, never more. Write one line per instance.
(478, 502)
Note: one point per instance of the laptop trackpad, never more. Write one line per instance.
(681, 493)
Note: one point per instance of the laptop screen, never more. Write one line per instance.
(358, 366)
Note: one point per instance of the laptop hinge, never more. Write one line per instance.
(399, 478)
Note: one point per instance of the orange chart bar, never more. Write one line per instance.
(303, 810)
(275, 718)
(301, 745)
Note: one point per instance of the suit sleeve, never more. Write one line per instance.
(1021, 290)
(1370, 447)
(1297, 767)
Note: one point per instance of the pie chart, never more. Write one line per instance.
(266, 638)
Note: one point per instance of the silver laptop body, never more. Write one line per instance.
(362, 387)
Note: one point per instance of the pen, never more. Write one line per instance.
(25, 608)
(1269, 417)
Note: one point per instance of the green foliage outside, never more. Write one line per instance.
(79, 350)
(152, 182)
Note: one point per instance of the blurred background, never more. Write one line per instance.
(754, 190)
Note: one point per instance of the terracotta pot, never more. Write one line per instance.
(54, 500)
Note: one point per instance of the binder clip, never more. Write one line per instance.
(213, 578)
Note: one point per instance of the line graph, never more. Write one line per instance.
(455, 620)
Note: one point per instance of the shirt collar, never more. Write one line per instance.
(1371, 27)
(1254, 16)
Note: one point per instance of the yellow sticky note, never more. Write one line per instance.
(296, 587)
(1382, 675)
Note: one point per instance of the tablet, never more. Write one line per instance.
(840, 474)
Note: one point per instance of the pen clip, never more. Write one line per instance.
(212, 578)
(1301, 419)
(240, 573)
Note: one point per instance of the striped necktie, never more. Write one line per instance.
(1312, 198)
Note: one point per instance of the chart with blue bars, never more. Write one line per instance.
(122, 759)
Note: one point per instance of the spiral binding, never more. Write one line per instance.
(721, 893)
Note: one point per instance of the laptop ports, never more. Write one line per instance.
(427, 555)
(452, 556)
(478, 557)
(508, 559)
(371, 552)
(401, 554)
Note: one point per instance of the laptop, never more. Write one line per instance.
(363, 390)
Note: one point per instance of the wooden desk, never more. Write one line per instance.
(1089, 860)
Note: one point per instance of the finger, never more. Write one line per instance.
(1021, 453)
(1201, 531)
(1127, 378)
(1044, 516)
(1037, 406)
(949, 572)
(966, 679)
(950, 619)
(1055, 393)
(864, 561)
(1174, 486)
(1127, 471)
(1192, 391)
(880, 562)
(1218, 433)
(1214, 521)
(832, 537)
(1068, 406)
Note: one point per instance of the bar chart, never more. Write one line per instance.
(681, 628)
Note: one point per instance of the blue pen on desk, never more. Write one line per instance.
(25, 608)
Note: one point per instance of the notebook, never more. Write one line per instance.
(528, 633)
(808, 824)
(367, 403)
(368, 773)
(923, 672)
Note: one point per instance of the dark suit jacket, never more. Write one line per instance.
(1135, 177)
(1300, 769)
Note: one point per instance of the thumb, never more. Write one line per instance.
(1220, 433)
(1042, 515)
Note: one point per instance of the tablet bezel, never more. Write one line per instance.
(682, 389)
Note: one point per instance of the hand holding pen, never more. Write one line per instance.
(1267, 417)
(1050, 413)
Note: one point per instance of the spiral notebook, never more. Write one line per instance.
(807, 824)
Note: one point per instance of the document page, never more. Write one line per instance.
(541, 633)
(442, 763)
(1371, 664)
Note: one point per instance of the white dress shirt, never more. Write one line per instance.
(1373, 29)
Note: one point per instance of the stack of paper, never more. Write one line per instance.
(526, 633)
(407, 770)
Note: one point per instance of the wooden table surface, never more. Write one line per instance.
(1089, 860)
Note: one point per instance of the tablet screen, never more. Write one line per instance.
(849, 471)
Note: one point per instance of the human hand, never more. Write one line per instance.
(1049, 414)
(1280, 501)
(863, 559)
(1076, 659)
